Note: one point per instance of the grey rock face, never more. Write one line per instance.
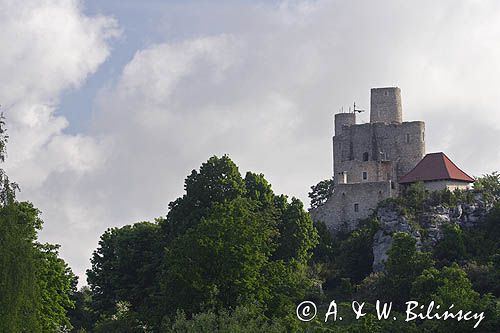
(431, 223)
(391, 221)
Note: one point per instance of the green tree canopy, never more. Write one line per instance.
(321, 192)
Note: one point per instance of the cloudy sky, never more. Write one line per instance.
(110, 104)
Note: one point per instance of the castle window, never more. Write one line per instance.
(365, 175)
(356, 207)
(423, 136)
(365, 156)
(407, 138)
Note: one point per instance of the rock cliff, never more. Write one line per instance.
(426, 227)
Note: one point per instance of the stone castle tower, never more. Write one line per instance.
(369, 159)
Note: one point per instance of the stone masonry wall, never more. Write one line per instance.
(339, 212)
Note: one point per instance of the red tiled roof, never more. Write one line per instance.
(435, 166)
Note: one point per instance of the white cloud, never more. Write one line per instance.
(48, 47)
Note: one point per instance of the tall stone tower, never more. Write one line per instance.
(385, 106)
(369, 159)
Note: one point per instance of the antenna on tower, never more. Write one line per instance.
(354, 110)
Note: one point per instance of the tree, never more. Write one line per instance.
(125, 267)
(489, 186)
(82, 316)
(415, 197)
(217, 181)
(19, 223)
(448, 286)
(321, 192)
(243, 319)
(451, 247)
(220, 261)
(355, 256)
(297, 235)
(55, 282)
(403, 265)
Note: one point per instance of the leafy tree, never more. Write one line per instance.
(452, 246)
(489, 186)
(355, 253)
(19, 223)
(55, 282)
(403, 265)
(220, 260)
(297, 235)
(123, 320)
(217, 181)
(451, 286)
(324, 251)
(125, 267)
(321, 192)
(82, 316)
(415, 197)
(481, 242)
(243, 319)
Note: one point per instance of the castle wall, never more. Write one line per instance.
(339, 212)
(357, 147)
(449, 184)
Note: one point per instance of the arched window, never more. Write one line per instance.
(365, 156)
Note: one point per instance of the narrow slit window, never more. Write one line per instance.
(356, 207)
(407, 138)
(365, 175)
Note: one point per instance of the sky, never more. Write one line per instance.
(111, 104)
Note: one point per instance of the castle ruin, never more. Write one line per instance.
(369, 159)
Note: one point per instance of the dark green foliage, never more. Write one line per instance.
(450, 285)
(125, 268)
(489, 187)
(217, 181)
(82, 316)
(244, 319)
(220, 261)
(297, 235)
(321, 192)
(451, 248)
(482, 242)
(19, 223)
(485, 278)
(324, 251)
(355, 255)
(403, 265)
(417, 200)
(123, 320)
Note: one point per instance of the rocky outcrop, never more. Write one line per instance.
(391, 221)
(427, 229)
